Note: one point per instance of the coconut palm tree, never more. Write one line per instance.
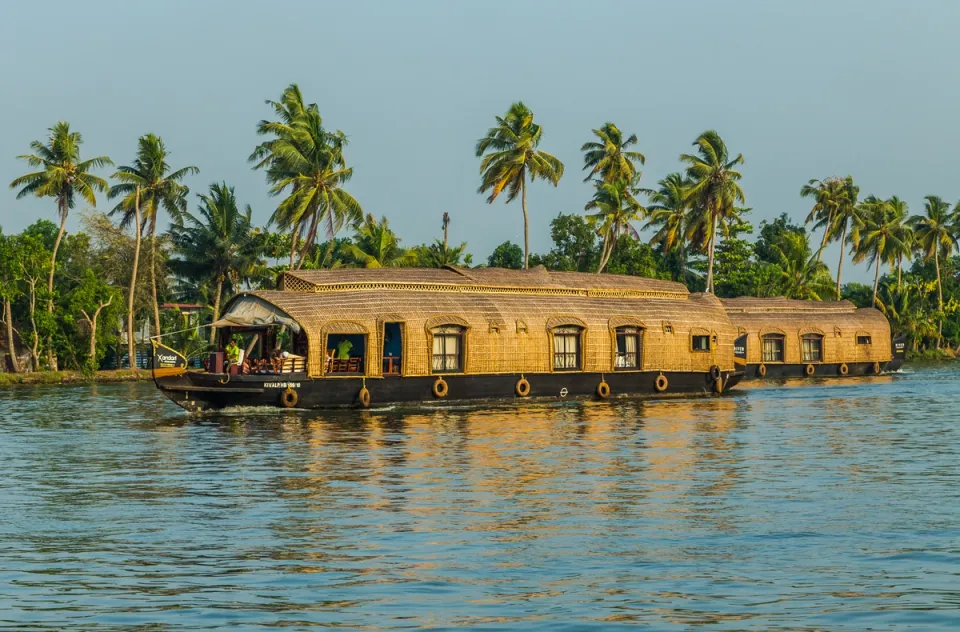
(304, 162)
(803, 276)
(828, 195)
(62, 176)
(608, 159)
(670, 216)
(376, 246)
(876, 237)
(713, 190)
(309, 168)
(159, 188)
(936, 234)
(848, 215)
(615, 208)
(510, 155)
(904, 246)
(289, 109)
(216, 246)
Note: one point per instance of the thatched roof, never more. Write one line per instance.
(536, 280)
(749, 305)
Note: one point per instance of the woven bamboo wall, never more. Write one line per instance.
(508, 332)
(840, 322)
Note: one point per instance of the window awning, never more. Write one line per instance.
(250, 311)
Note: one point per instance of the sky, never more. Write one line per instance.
(802, 89)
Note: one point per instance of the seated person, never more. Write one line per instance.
(233, 353)
(329, 361)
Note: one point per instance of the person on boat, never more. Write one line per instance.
(233, 353)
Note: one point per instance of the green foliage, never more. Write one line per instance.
(608, 158)
(574, 246)
(438, 255)
(857, 293)
(772, 235)
(506, 255)
(376, 246)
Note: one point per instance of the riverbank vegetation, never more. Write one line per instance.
(91, 299)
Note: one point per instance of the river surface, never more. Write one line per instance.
(810, 506)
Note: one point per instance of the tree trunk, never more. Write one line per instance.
(876, 282)
(131, 340)
(294, 239)
(843, 238)
(603, 252)
(35, 348)
(153, 275)
(826, 234)
(683, 261)
(93, 330)
(713, 241)
(899, 272)
(53, 266)
(526, 225)
(936, 259)
(56, 247)
(216, 311)
(11, 344)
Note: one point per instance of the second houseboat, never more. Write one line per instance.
(789, 338)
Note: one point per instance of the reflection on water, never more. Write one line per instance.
(798, 506)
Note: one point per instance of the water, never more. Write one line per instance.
(828, 506)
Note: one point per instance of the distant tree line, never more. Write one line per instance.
(68, 299)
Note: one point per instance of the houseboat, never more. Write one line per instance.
(372, 337)
(779, 337)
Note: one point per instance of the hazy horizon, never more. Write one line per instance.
(803, 90)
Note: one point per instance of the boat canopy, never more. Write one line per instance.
(251, 311)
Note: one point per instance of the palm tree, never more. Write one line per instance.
(828, 195)
(608, 159)
(513, 155)
(904, 246)
(217, 246)
(846, 216)
(438, 255)
(670, 215)
(63, 176)
(305, 162)
(616, 208)
(159, 188)
(376, 246)
(713, 190)
(876, 237)
(936, 233)
(803, 276)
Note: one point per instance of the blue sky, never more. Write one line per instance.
(803, 89)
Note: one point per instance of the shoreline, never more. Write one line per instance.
(72, 377)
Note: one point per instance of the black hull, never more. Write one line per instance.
(855, 369)
(205, 391)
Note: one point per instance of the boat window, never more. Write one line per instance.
(700, 343)
(566, 348)
(447, 349)
(864, 340)
(392, 348)
(812, 348)
(346, 353)
(628, 347)
(773, 348)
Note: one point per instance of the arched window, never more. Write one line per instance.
(773, 347)
(811, 348)
(567, 348)
(629, 344)
(447, 349)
